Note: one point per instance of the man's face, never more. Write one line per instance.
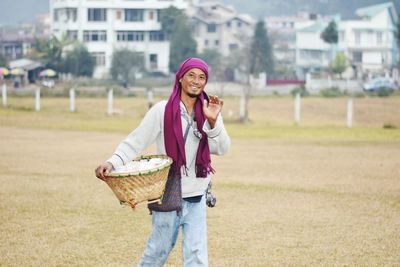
(193, 82)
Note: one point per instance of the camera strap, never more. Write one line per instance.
(189, 124)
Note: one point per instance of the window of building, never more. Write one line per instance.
(357, 57)
(133, 14)
(153, 61)
(94, 36)
(8, 50)
(99, 58)
(194, 28)
(212, 27)
(55, 14)
(379, 38)
(157, 36)
(151, 15)
(239, 24)
(72, 35)
(311, 55)
(206, 42)
(119, 15)
(357, 37)
(233, 46)
(228, 24)
(65, 15)
(18, 50)
(158, 15)
(384, 57)
(216, 42)
(97, 14)
(130, 36)
(341, 37)
(370, 37)
(71, 14)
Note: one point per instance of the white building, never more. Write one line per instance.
(105, 25)
(220, 27)
(282, 34)
(369, 43)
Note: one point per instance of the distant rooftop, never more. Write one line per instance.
(317, 26)
(371, 11)
(218, 13)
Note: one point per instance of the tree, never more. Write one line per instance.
(169, 18)
(398, 37)
(182, 45)
(50, 51)
(79, 62)
(3, 60)
(330, 35)
(214, 61)
(218, 65)
(398, 32)
(339, 64)
(261, 58)
(125, 64)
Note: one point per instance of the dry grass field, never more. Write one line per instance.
(317, 194)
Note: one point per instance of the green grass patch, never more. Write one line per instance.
(334, 133)
(91, 116)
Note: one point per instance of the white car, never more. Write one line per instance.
(48, 83)
(377, 83)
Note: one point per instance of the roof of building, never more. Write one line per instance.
(214, 12)
(320, 24)
(216, 4)
(25, 64)
(371, 11)
(317, 26)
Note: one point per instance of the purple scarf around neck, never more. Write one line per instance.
(173, 137)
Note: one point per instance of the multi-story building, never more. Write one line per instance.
(42, 25)
(282, 35)
(15, 43)
(369, 43)
(105, 25)
(220, 27)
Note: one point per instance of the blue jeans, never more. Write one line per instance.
(165, 228)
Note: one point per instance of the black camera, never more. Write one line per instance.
(210, 199)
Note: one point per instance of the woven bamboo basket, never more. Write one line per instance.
(135, 187)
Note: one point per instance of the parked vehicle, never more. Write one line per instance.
(377, 83)
(49, 83)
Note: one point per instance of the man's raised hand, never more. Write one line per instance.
(212, 108)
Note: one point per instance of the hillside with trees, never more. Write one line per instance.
(262, 8)
(12, 13)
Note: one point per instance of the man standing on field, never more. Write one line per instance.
(188, 128)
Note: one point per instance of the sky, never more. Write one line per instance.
(15, 11)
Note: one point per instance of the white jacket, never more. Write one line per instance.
(151, 130)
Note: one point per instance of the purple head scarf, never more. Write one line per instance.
(173, 137)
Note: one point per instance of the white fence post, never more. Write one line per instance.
(4, 95)
(329, 81)
(242, 106)
(297, 108)
(37, 99)
(150, 97)
(350, 113)
(110, 102)
(72, 99)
